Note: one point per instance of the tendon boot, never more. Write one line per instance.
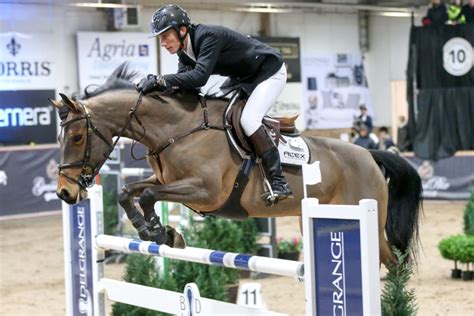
(268, 152)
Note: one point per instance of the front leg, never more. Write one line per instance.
(126, 197)
(182, 191)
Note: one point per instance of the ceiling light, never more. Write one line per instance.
(102, 5)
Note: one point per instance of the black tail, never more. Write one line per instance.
(404, 200)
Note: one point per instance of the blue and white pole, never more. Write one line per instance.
(274, 266)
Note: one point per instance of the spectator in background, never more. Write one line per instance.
(365, 118)
(404, 143)
(454, 12)
(437, 14)
(385, 141)
(364, 140)
(467, 12)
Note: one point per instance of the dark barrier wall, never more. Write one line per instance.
(448, 179)
(28, 177)
(440, 93)
(28, 180)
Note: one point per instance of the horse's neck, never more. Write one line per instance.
(162, 119)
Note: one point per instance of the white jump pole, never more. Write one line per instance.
(274, 266)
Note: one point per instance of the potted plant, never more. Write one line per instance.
(459, 248)
(289, 248)
(447, 248)
(465, 254)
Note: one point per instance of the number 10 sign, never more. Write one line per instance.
(457, 56)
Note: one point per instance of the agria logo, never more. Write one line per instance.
(13, 47)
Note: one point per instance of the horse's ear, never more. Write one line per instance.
(55, 103)
(70, 104)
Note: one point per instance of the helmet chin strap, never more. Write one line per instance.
(181, 39)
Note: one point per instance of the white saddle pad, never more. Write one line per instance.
(294, 152)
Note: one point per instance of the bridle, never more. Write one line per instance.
(88, 170)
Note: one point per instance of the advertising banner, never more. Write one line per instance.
(100, 53)
(28, 181)
(27, 61)
(26, 117)
(82, 285)
(338, 254)
(334, 87)
(447, 179)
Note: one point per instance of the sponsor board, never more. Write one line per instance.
(27, 61)
(99, 53)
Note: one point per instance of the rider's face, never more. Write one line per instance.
(170, 40)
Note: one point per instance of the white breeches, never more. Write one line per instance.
(261, 100)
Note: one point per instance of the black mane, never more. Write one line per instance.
(119, 79)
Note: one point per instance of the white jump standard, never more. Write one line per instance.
(341, 260)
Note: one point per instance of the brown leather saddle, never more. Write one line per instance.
(276, 126)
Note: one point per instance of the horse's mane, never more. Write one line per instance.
(120, 79)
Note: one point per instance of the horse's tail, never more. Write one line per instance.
(404, 200)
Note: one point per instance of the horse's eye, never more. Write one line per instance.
(77, 138)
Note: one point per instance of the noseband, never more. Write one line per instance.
(88, 170)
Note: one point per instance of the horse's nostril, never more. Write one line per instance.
(64, 195)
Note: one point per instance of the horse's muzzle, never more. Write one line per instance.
(65, 196)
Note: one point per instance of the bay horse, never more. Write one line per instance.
(199, 170)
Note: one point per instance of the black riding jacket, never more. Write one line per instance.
(221, 51)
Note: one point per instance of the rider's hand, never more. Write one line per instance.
(152, 83)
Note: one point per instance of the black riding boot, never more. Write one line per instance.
(268, 152)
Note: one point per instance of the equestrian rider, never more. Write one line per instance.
(207, 49)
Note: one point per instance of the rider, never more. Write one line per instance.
(207, 49)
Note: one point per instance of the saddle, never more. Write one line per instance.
(276, 126)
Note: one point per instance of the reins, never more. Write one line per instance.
(203, 126)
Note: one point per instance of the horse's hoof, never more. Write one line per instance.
(175, 239)
(145, 235)
(159, 235)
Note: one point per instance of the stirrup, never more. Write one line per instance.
(268, 196)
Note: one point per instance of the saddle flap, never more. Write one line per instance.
(274, 125)
(234, 118)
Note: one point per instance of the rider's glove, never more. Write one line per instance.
(152, 83)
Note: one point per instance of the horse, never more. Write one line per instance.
(199, 169)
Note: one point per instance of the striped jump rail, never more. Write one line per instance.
(274, 266)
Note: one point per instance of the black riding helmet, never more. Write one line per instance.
(167, 17)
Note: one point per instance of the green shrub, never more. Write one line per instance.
(464, 249)
(249, 236)
(213, 281)
(396, 299)
(142, 270)
(447, 247)
(289, 245)
(469, 216)
(458, 248)
(217, 234)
